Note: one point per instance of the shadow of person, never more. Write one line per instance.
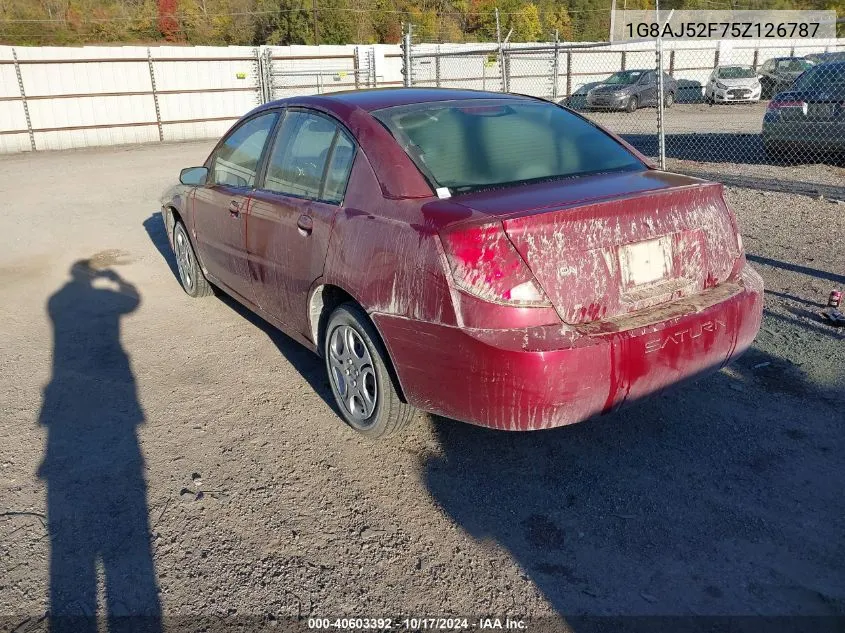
(304, 361)
(93, 466)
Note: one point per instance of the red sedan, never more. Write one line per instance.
(488, 257)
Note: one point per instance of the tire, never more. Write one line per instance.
(774, 151)
(354, 355)
(190, 274)
(632, 105)
(669, 100)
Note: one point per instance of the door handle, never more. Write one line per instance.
(235, 208)
(305, 224)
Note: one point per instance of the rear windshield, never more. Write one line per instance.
(736, 72)
(479, 144)
(794, 65)
(830, 77)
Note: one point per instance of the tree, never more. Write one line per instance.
(167, 23)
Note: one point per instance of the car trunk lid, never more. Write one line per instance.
(640, 240)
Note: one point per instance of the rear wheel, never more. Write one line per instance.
(192, 278)
(360, 377)
(775, 151)
(669, 99)
(632, 105)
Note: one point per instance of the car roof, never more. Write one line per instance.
(378, 98)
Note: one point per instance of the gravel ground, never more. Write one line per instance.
(721, 496)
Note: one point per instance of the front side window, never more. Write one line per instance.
(309, 151)
(235, 162)
(479, 144)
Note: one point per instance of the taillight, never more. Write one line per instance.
(739, 260)
(485, 264)
(779, 105)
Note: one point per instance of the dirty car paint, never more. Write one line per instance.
(640, 277)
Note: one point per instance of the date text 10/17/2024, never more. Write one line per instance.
(418, 624)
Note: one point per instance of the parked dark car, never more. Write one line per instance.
(823, 58)
(778, 73)
(631, 89)
(491, 258)
(810, 116)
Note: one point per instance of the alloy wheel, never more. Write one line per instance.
(184, 258)
(352, 373)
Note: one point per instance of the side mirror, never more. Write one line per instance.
(193, 175)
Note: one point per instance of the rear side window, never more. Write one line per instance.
(337, 174)
(484, 143)
(310, 158)
(236, 160)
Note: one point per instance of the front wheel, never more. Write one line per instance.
(360, 377)
(669, 99)
(632, 105)
(192, 278)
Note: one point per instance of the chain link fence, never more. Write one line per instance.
(770, 104)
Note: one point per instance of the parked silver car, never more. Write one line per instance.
(729, 84)
(631, 89)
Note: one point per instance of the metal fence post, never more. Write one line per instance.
(266, 63)
(372, 66)
(661, 135)
(406, 58)
(23, 100)
(555, 67)
(356, 67)
(437, 67)
(155, 95)
(502, 64)
(568, 75)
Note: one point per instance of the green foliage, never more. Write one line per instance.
(220, 22)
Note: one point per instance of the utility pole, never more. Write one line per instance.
(501, 53)
(498, 29)
(612, 20)
(316, 28)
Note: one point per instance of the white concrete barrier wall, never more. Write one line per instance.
(88, 96)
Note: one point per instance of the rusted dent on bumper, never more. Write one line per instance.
(551, 376)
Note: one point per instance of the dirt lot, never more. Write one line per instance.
(723, 496)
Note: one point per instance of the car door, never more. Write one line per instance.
(710, 88)
(648, 88)
(220, 207)
(293, 210)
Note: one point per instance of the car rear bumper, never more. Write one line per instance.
(551, 376)
(816, 134)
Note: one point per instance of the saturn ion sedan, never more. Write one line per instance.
(488, 257)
